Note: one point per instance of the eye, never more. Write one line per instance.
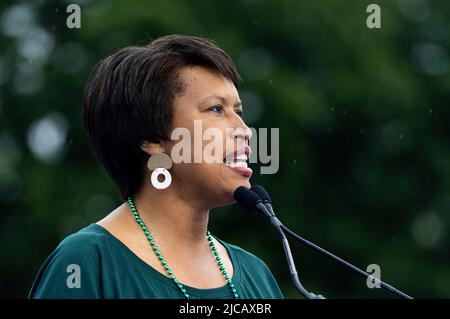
(239, 112)
(216, 108)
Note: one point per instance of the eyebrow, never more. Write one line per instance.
(222, 99)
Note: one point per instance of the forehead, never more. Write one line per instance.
(200, 82)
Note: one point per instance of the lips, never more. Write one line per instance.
(237, 161)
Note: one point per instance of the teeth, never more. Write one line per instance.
(237, 164)
(240, 158)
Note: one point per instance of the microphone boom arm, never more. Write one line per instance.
(287, 251)
(344, 263)
(271, 214)
(258, 199)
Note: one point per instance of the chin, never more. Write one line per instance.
(221, 183)
(228, 193)
(233, 178)
(245, 183)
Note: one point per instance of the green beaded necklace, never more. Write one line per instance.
(164, 262)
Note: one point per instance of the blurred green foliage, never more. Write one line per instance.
(363, 117)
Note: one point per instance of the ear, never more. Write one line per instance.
(152, 148)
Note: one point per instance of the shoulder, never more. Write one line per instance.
(84, 245)
(80, 253)
(245, 255)
(249, 261)
(86, 241)
(257, 280)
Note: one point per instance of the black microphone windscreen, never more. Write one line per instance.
(261, 191)
(246, 197)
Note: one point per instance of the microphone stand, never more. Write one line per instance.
(287, 251)
(344, 263)
(271, 214)
(258, 199)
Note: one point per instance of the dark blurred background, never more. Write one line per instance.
(363, 117)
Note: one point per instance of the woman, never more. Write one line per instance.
(156, 244)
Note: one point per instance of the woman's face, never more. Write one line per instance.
(211, 100)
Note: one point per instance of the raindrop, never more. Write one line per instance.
(396, 136)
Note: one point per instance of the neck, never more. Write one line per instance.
(172, 218)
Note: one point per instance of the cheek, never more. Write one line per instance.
(212, 178)
(194, 176)
(198, 174)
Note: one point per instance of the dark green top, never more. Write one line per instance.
(109, 269)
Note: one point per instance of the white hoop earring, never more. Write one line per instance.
(167, 178)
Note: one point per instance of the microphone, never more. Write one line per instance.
(250, 200)
(267, 201)
(262, 193)
(265, 197)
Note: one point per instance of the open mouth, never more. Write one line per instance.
(238, 161)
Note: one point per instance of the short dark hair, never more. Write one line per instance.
(128, 99)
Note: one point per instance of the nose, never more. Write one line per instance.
(242, 131)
